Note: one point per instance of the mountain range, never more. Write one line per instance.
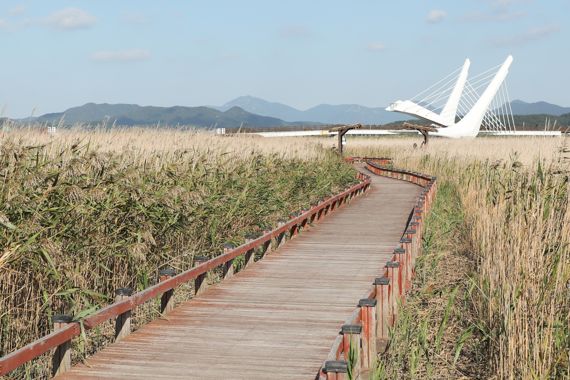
(251, 112)
(132, 114)
(538, 108)
(353, 113)
(322, 113)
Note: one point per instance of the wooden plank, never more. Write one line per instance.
(281, 315)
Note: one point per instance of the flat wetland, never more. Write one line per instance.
(85, 212)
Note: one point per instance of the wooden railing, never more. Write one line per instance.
(365, 332)
(65, 328)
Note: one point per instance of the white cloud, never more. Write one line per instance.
(435, 16)
(530, 35)
(376, 46)
(3, 23)
(71, 19)
(130, 55)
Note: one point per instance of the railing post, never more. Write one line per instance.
(305, 222)
(294, 230)
(201, 281)
(368, 320)
(280, 240)
(249, 256)
(61, 360)
(351, 337)
(394, 274)
(167, 299)
(383, 310)
(405, 266)
(416, 226)
(267, 247)
(123, 321)
(313, 217)
(327, 207)
(406, 244)
(336, 369)
(228, 267)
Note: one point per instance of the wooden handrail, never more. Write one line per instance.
(335, 365)
(40, 346)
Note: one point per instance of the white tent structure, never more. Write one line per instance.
(460, 107)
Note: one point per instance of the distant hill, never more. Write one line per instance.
(538, 108)
(324, 113)
(132, 114)
(352, 113)
(250, 112)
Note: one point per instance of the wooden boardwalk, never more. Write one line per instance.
(279, 317)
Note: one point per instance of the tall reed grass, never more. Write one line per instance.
(515, 197)
(83, 214)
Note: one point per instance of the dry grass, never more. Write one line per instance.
(144, 141)
(514, 194)
(523, 149)
(82, 214)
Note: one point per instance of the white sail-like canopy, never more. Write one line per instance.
(455, 107)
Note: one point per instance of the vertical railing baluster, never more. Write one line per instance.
(123, 321)
(201, 281)
(167, 299)
(61, 359)
(368, 319)
(228, 267)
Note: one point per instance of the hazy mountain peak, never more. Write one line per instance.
(521, 107)
(322, 113)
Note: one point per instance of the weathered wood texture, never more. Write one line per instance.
(278, 318)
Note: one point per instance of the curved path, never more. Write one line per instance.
(278, 318)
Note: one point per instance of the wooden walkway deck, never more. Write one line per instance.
(278, 318)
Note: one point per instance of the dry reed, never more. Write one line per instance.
(85, 213)
(515, 197)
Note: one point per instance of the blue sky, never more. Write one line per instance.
(58, 54)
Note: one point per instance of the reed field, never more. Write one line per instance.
(85, 213)
(491, 297)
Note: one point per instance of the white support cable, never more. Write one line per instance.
(506, 117)
(492, 120)
(483, 83)
(491, 112)
(488, 123)
(506, 105)
(437, 92)
(499, 107)
(510, 108)
(471, 96)
(494, 68)
(482, 79)
(436, 83)
(504, 108)
(496, 120)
